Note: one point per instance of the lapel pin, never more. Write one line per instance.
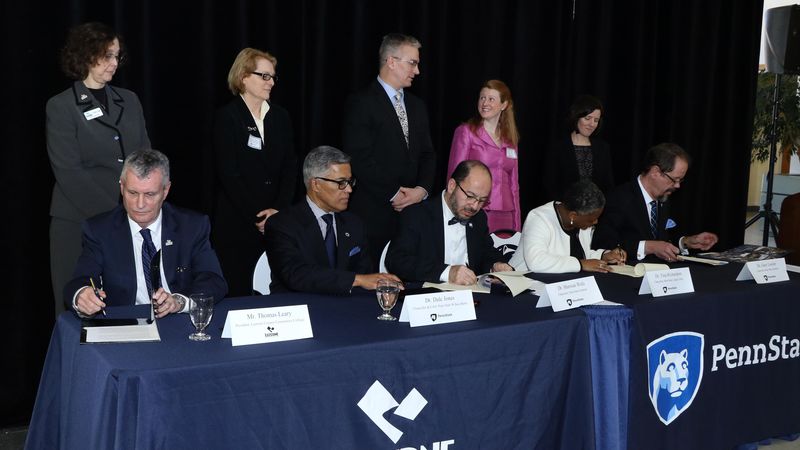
(346, 234)
(84, 97)
(169, 242)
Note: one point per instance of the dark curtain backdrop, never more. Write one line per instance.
(666, 70)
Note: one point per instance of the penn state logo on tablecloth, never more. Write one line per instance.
(675, 370)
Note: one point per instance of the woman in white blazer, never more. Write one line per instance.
(556, 236)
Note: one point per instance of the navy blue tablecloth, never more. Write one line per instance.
(517, 377)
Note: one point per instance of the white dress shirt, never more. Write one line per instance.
(455, 242)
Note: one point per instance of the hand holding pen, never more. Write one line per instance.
(98, 293)
(615, 256)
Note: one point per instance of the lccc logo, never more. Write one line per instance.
(378, 400)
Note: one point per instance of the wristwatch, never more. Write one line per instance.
(180, 301)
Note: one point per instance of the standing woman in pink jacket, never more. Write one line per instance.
(491, 137)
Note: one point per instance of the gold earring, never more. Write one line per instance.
(570, 221)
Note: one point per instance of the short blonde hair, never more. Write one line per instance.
(243, 65)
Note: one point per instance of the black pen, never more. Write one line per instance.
(97, 293)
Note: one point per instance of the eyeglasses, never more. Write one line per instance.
(673, 180)
(108, 57)
(473, 198)
(341, 184)
(266, 76)
(411, 62)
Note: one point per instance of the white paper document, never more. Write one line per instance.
(143, 332)
(638, 270)
(438, 308)
(515, 281)
(477, 287)
(763, 272)
(263, 325)
(661, 283)
(570, 294)
(710, 262)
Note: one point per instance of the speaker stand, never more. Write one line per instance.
(770, 218)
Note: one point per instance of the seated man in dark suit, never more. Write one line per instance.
(119, 247)
(446, 239)
(315, 245)
(636, 216)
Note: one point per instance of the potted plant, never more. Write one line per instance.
(788, 121)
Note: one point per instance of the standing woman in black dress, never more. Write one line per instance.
(581, 155)
(91, 127)
(255, 166)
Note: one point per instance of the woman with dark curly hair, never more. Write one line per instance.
(91, 127)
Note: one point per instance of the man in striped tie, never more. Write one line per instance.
(636, 217)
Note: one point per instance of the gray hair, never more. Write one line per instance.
(143, 162)
(391, 43)
(320, 159)
(583, 197)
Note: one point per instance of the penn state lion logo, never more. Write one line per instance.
(675, 368)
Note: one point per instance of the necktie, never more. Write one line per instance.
(455, 220)
(330, 239)
(148, 251)
(401, 114)
(654, 218)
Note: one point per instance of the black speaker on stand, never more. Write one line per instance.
(782, 48)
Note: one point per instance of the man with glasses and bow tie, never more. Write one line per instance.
(447, 239)
(636, 217)
(145, 250)
(386, 132)
(316, 246)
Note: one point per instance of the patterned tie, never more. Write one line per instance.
(330, 239)
(654, 218)
(148, 251)
(401, 114)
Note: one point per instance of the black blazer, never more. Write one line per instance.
(250, 179)
(297, 257)
(417, 252)
(561, 167)
(189, 263)
(625, 220)
(382, 162)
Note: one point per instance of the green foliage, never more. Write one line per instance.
(788, 123)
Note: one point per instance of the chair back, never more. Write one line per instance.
(506, 241)
(382, 264)
(262, 276)
(789, 230)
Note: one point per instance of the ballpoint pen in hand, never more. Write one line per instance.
(97, 293)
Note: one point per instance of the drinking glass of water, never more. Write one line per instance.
(387, 292)
(201, 308)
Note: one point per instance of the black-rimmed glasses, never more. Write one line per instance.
(341, 184)
(473, 198)
(673, 180)
(266, 76)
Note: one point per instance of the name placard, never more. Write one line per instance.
(763, 272)
(437, 308)
(262, 325)
(661, 283)
(570, 294)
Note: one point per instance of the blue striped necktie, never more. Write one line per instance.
(654, 218)
(148, 251)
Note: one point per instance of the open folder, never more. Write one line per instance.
(515, 281)
(122, 325)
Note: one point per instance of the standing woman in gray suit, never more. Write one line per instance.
(91, 127)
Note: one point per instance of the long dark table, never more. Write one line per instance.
(517, 377)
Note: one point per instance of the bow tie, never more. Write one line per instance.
(455, 220)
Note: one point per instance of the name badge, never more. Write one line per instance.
(263, 325)
(661, 283)
(254, 142)
(93, 114)
(570, 294)
(766, 271)
(438, 308)
(511, 153)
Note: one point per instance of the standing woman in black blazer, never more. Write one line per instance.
(255, 165)
(581, 155)
(91, 127)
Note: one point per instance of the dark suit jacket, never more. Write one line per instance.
(249, 181)
(382, 162)
(188, 261)
(297, 257)
(561, 167)
(625, 220)
(86, 155)
(417, 252)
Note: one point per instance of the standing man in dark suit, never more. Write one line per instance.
(386, 132)
(120, 245)
(448, 239)
(316, 246)
(636, 216)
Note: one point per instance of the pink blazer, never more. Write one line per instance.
(502, 163)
